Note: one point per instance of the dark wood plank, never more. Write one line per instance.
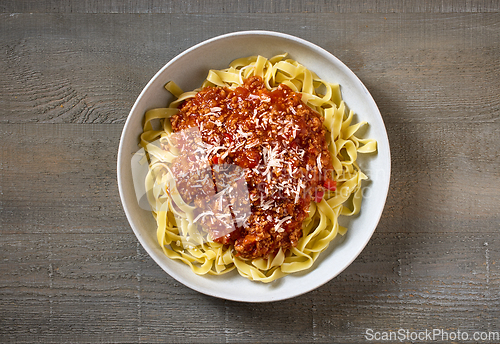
(74, 167)
(95, 65)
(55, 175)
(248, 6)
(94, 287)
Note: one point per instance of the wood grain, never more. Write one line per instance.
(90, 78)
(72, 269)
(248, 6)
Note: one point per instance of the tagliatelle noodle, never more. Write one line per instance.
(321, 226)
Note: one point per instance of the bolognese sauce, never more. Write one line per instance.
(279, 143)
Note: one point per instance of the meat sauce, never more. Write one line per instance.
(280, 144)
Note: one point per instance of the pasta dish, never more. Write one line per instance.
(252, 170)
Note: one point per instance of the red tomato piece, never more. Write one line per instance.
(319, 195)
(330, 184)
(229, 137)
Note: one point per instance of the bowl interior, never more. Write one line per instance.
(188, 70)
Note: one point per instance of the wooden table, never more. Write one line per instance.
(71, 268)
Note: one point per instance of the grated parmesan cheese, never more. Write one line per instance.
(278, 227)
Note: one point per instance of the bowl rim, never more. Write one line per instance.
(317, 50)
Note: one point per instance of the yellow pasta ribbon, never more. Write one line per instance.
(178, 235)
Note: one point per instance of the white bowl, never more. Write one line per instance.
(188, 70)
